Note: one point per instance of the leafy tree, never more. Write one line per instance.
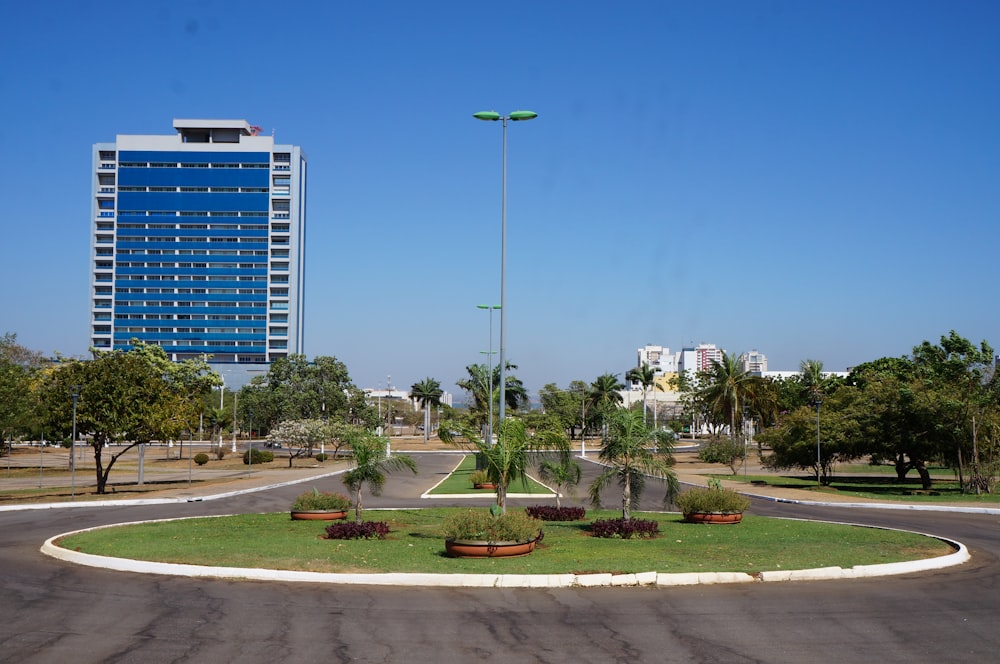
(18, 365)
(128, 397)
(727, 390)
(627, 451)
(722, 450)
(369, 465)
(953, 377)
(843, 422)
(568, 405)
(428, 394)
(295, 388)
(299, 437)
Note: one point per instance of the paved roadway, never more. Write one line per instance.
(58, 612)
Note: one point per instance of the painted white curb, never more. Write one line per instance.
(49, 548)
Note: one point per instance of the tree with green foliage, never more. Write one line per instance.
(18, 367)
(722, 450)
(628, 454)
(299, 437)
(844, 419)
(369, 465)
(128, 398)
(428, 394)
(567, 405)
(295, 388)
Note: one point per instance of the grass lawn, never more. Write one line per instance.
(875, 487)
(414, 544)
(458, 482)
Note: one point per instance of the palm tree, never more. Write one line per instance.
(484, 387)
(369, 466)
(629, 459)
(565, 473)
(729, 389)
(644, 375)
(428, 394)
(604, 395)
(507, 460)
(812, 379)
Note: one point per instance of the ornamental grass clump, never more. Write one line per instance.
(713, 499)
(313, 501)
(484, 526)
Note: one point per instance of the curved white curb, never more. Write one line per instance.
(167, 501)
(49, 548)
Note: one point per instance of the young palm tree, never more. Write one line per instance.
(428, 394)
(508, 459)
(369, 466)
(628, 454)
(565, 473)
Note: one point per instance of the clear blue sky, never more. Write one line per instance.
(809, 179)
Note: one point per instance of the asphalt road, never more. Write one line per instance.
(59, 612)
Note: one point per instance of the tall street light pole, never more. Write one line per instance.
(493, 116)
(819, 465)
(75, 393)
(489, 370)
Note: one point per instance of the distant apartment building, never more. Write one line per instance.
(197, 245)
(699, 358)
(753, 362)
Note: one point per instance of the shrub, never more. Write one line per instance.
(550, 513)
(321, 457)
(479, 477)
(220, 452)
(201, 458)
(259, 456)
(314, 500)
(712, 499)
(625, 529)
(482, 526)
(368, 530)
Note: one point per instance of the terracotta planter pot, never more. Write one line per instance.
(480, 549)
(318, 515)
(485, 485)
(713, 517)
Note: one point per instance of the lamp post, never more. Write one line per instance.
(250, 447)
(74, 392)
(489, 369)
(818, 401)
(493, 116)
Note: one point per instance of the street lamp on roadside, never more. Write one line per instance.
(818, 401)
(489, 370)
(74, 391)
(493, 116)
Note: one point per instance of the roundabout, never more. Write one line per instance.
(60, 610)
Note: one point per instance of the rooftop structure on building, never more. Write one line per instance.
(197, 245)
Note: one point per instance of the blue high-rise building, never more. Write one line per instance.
(198, 245)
